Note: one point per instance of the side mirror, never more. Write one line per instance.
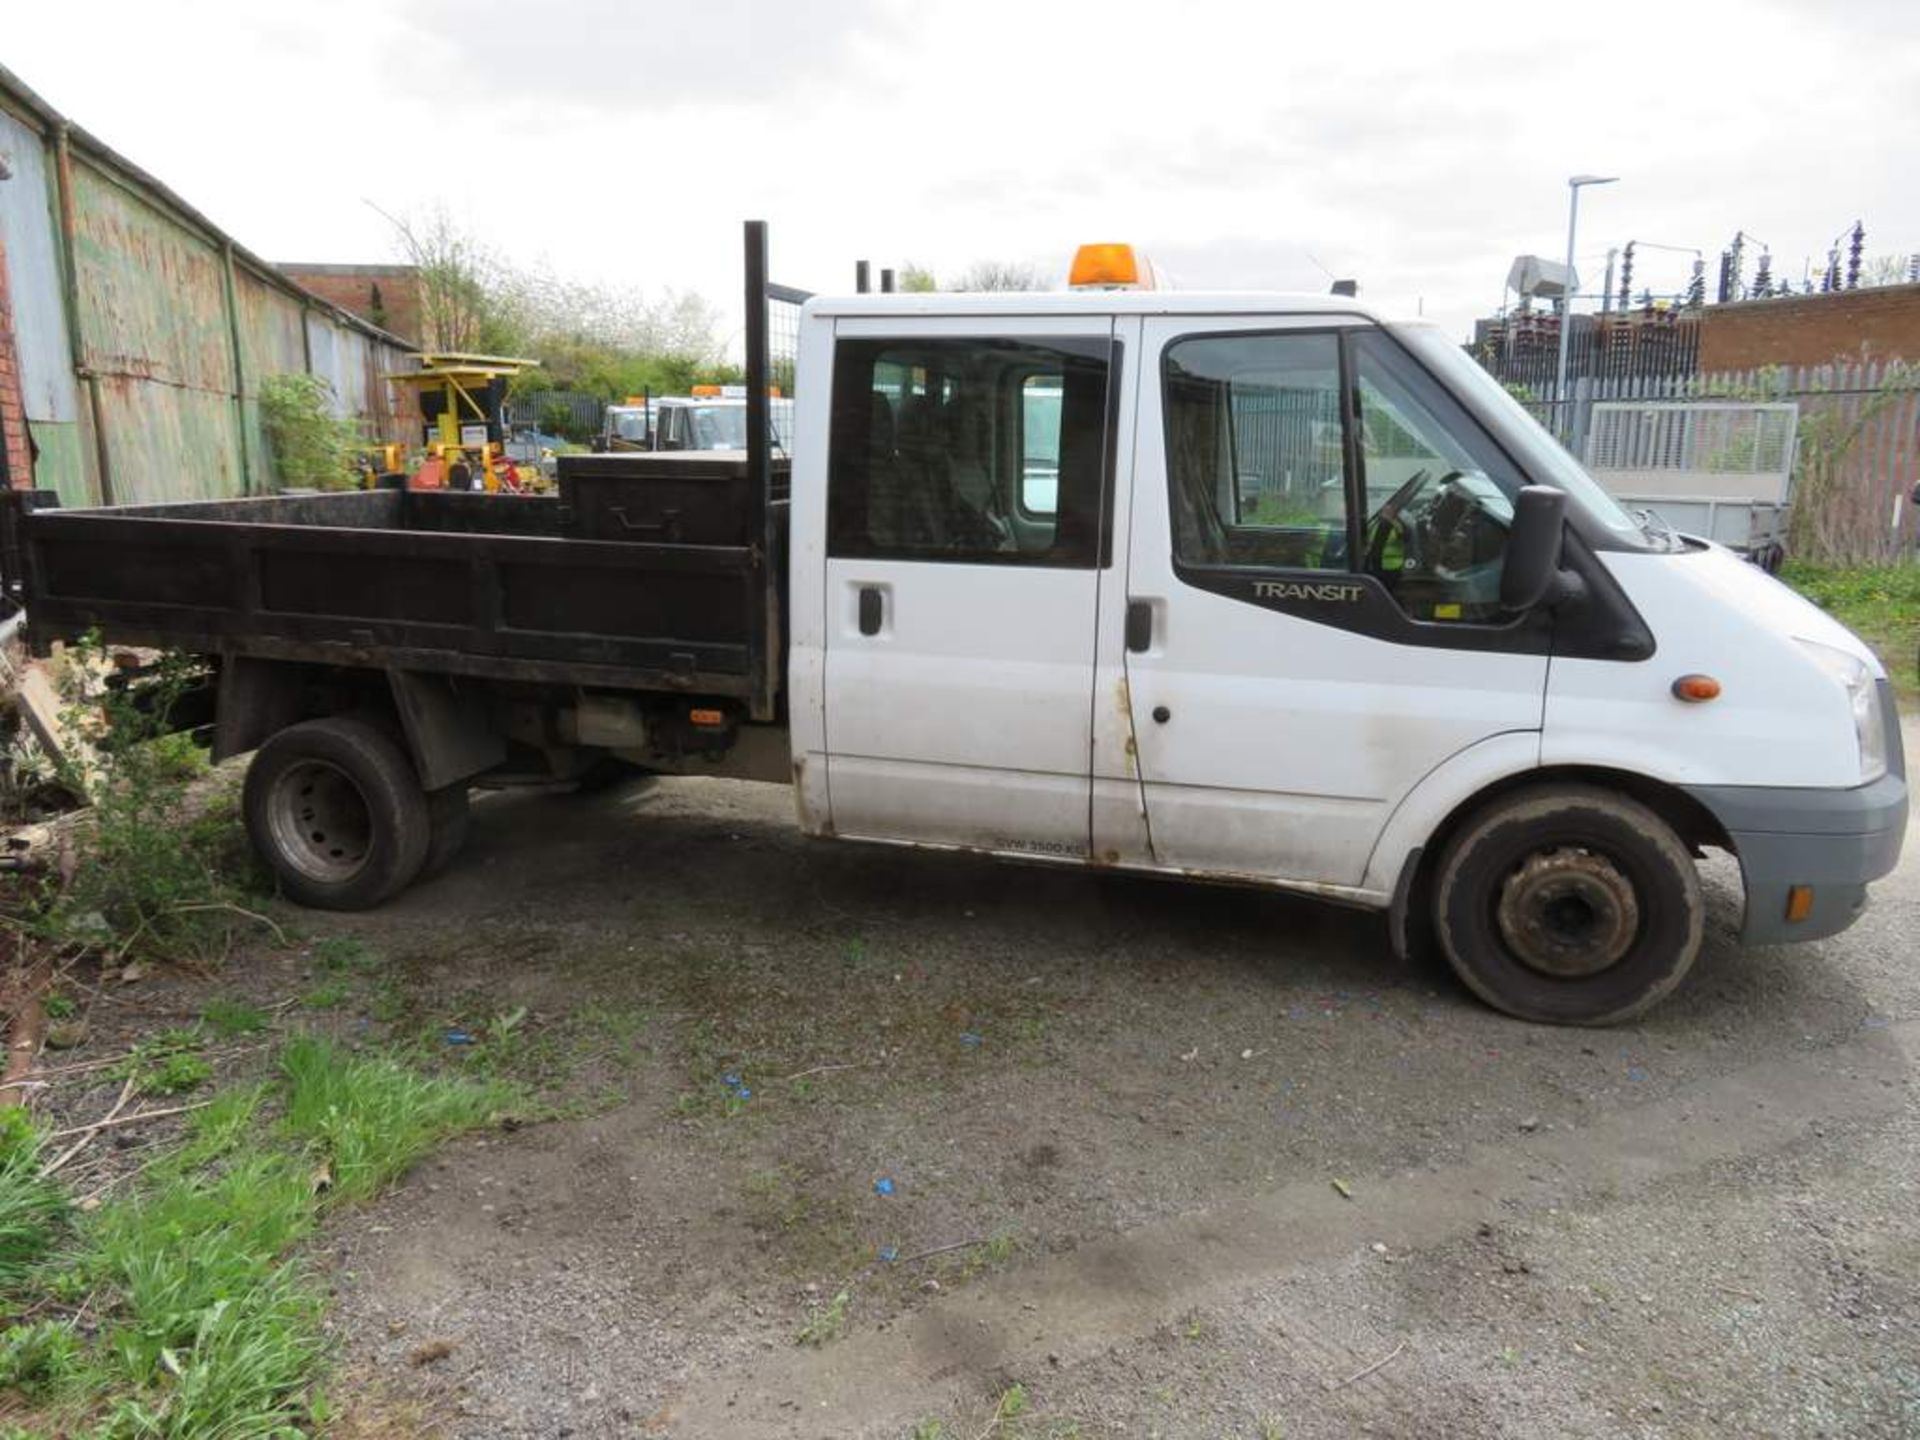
(1533, 547)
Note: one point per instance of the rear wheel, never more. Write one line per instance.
(334, 807)
(1570, 905)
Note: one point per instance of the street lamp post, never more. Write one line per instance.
(1566, 303)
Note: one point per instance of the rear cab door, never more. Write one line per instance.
(967, 513)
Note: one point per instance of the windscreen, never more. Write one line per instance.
(720, 427)
(1546, 460)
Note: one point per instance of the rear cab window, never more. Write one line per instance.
(977, 450)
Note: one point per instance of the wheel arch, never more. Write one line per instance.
(1409, 916)
(446, 728)
(260, 697)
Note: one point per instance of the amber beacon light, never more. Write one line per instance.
(1109, 267)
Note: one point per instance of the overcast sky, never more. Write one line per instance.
(1418, 147)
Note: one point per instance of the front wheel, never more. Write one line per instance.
(335, 808)
(1568, 904)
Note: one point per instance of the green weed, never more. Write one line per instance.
(825, 1322)
(37, 1356)
(30, 1207)
(327, 995)
(160, 878)
(175, 1075)
(165, 1064)
(177, 757)
(388, 1004)
(618, 1026)
(344, 953)
(228, 1019)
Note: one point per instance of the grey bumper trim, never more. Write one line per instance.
(1781, 810)
(1833, 840)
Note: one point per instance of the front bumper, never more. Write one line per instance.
(1833, 840)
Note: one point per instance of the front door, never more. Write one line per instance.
(966, 514)
(1316, 538)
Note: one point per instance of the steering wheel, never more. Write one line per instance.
(1415, 541)
(1386, 521)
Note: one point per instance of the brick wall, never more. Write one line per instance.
(1882, 324)
(352, 287)
(18, 461)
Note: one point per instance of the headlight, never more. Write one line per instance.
(1863, 694)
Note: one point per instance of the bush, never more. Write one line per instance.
(311, 446)
(161, 863)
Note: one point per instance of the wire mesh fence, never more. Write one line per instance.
(570, 413)
(783, 336)
(1711, 437)
(1856, 471)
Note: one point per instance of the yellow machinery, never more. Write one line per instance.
(461, 397)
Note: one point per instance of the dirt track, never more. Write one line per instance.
(1139, 1098)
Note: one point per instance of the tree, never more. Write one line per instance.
(1000, 275)
(610, 341)
(458, 309)
(1884, 270)
(917, 279)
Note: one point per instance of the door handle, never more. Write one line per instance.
(870, 610)
(1139, 626)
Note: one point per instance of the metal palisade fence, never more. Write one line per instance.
(1858, 461)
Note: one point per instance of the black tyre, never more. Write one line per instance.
(449, 816)
(335, 808)
(1568, 904)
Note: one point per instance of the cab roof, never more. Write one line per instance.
(1092, 302)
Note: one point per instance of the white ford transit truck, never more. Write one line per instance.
(1245, 588)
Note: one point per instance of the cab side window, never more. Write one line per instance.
(984, 451)
(1255, 451)
(1283, 454)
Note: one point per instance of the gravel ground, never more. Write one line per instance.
(1115, 1111)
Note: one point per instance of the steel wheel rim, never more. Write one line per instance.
(321, 821)
(1568, 912)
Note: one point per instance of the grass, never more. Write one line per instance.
(230, 1019)
(204, 1319)
(327, 995)
(370, 1118)
(167, 1064)
(30, 1208)
(1879, 603)
(345, 954)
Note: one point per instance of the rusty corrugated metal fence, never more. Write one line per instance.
(144, 332)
